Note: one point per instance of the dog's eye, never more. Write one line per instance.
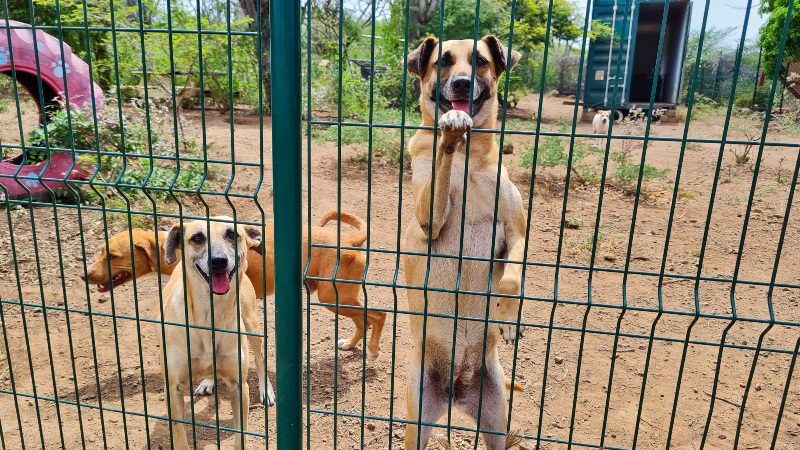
(481, 61)
(229, 234)
(198, 239)
(447, 60)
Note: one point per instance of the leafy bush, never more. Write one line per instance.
(354, 90)
(130, 133)
(626, 172)
(553, 154)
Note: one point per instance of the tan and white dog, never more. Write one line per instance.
(457, 116)
(215, 280)
(600, 126)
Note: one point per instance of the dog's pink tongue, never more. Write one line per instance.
(461, 105)
(220, 283)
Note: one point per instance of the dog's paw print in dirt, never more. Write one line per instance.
(5, 56)
(59, 70)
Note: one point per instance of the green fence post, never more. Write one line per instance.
(716, 80)
(783, 89)
(758, 78)
(287, 187)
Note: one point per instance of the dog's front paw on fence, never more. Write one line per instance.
(454, 126)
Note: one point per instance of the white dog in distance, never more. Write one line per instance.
(600, 126)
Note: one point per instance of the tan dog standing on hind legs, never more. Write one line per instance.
(192, 298)
(454, 92)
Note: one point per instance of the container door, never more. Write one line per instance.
(647, 32)
(608, 56)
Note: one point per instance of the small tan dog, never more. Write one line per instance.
(227, 243)
(600, 126)
(454, 91)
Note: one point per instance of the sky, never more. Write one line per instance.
(721, 14)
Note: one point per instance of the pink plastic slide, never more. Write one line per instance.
(58, 76)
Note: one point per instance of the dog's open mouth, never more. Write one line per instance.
(116, 280)
(220, 281)
(446, 104)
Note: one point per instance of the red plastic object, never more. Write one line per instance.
(54, 73)
(51, 69)
(59, 169)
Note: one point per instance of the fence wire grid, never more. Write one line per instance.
(658, 300)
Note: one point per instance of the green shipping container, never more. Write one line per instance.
(621, 71)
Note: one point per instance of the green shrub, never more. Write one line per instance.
(553, 154)
(626, 172)
(130, 133)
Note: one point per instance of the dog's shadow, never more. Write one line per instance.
(153, 384)
(349, 370)
(205, 416)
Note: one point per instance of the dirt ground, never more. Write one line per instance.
(102, 356)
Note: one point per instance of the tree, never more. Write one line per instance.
(772, 31)
(495, 16)
(251, 9)
(421, 12)
(530, 28)
(459, 20)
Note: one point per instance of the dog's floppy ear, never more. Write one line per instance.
(254, 238)
(418, 59)
(500, 54)
(171, 245)
(149, 249)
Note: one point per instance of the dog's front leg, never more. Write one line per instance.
(241, 409)
(515, 223)
(177, 409)
(453, 128)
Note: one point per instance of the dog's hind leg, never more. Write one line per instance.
(434, 404)
(349, 306)
(375, 319)
(492, 407)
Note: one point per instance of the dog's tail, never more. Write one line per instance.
(356, 238)
(513, 385)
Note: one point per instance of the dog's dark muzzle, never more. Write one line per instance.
(455, 93)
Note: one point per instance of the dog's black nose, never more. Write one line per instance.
(461, 86)
(219, 264)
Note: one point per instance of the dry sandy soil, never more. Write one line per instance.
(101, 355)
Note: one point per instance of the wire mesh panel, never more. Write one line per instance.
(461, 256)
(126, 126)
(658, 297)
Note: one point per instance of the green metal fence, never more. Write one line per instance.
(659, 292)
